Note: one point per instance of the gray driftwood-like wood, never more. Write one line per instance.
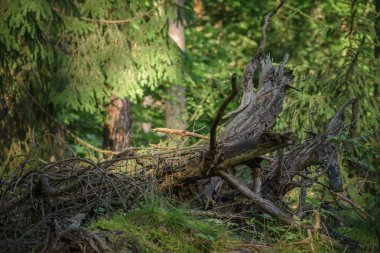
(248, 135)
(317, 150)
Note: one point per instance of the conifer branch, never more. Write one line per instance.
(116, 22)
(71, 134)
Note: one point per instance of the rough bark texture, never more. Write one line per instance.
(245, 137)
(175, 106)
(117, 124)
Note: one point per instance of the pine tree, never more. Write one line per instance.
(72, 57)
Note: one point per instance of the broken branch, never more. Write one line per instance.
(219, 115)
(262, 203)
(182, 133)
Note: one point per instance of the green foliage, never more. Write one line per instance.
(69, 57)
(117, 59)
(331, 47)
(335, 61)
(94, 58)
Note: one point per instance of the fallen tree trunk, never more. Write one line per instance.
(195, 166)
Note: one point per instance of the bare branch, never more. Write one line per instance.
(264, 204)
(219, 115)
(252, 65)
(336, 124)
(180, 133)
(263, 39)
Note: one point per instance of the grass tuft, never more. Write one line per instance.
(156, 229)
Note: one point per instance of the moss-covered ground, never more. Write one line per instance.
(154, 228)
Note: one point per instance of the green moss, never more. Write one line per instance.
(155, 229)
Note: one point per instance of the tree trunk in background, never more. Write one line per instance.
(117, 124)
(58, 143)
(175, 107)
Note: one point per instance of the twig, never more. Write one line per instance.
(263, 39)
(311, 241)
(362, 213)
(317, 222)
(336, 123)
(219, 115)
(302, 198)
(252, 65)
(182, 133)
(90, 146)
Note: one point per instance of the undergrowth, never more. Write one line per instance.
(157, 229)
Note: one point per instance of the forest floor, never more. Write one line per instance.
(158, 227)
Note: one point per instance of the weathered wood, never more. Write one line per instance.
(257, 113)
(247, 135)
(219, 115)
(198, 168)
(238, 153)
(317, 150)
